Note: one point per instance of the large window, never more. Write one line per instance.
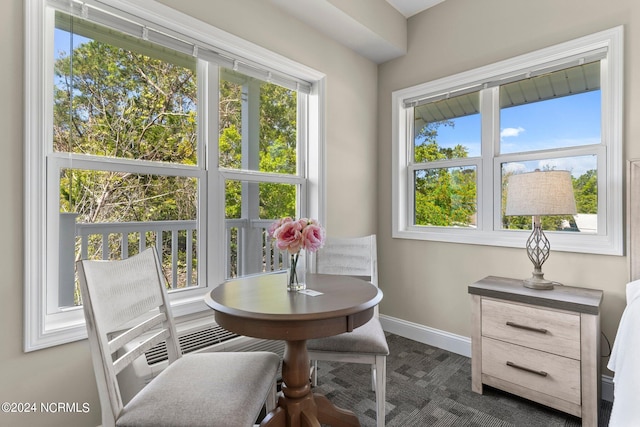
(143, 134)
(458, 139)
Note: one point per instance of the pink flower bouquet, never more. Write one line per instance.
(293, 236)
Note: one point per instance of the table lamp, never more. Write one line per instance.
(539, 193)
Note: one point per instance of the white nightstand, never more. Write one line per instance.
(543, 345)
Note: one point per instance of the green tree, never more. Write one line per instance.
(278, 148)
(113, 102)
(443, 196)
(585, 190)
(277, 144)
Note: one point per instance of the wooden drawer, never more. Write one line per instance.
(552, 331)
(557, 376)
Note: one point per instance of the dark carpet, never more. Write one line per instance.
(428, 386)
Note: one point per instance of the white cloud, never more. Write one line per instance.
(513, 168)
(578, 165)
(507, 132)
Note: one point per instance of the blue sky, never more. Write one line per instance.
(562, 122)
(62, 42)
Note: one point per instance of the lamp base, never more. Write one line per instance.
(537, 281)
(538, 248)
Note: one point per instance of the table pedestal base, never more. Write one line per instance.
(318, 410)
(298, 406)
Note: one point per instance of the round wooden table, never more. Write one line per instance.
(260, 306)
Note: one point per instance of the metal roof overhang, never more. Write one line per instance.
(556, 84)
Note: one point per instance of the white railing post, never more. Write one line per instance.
(174, 258)
(189, 255)
(66, 258)
(124, 245)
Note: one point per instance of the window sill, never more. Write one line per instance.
(560, 241)
(68, 325)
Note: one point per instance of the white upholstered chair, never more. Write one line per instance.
(366, 344)
(206, 389)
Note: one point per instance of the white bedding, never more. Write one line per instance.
(625, 362)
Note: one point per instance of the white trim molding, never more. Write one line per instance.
(426, 335)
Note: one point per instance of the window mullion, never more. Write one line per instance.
(605, 185)
(303, 160)
(111, 164)
(488, 180)
(203, 115)
(215, 230)
(409, 156)
(545, 154)
(54, 166)
(255, 176)
(448, 163)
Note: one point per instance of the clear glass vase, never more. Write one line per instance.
(296, 273)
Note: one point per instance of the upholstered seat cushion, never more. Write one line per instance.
(236, 383)
(368, 338)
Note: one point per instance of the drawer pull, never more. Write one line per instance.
(528, 328)
(522, 368)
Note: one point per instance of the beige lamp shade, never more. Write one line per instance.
(540, 193)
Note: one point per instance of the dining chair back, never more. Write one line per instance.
(351, 256)
(125, 303)
(356, 256)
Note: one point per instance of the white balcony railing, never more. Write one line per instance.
(248, 247)
(114, 240)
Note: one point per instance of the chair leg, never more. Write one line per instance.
(314, 373)
(381, 389)
(373, 377)
(270, 403)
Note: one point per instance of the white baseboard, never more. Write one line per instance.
(430, 336)
(453, 343)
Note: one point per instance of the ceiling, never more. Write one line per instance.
(410, 7)
(347, 29)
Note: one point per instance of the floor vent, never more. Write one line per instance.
(190, 342)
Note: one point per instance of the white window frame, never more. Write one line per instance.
(43, 327)
(609, 238)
